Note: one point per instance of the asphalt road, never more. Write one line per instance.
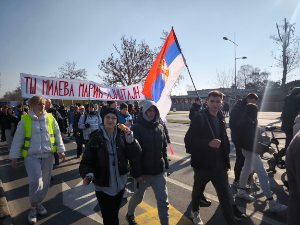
(68, 202)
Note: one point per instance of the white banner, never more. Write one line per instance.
(55, 88)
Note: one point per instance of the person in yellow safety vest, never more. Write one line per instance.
(36, 139)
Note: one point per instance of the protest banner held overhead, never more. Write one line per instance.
(55, 88)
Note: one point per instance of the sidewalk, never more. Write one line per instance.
(264, 118)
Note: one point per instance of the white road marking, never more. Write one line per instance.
(177, 143)
(258, 215)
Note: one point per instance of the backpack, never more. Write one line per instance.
(188, 148)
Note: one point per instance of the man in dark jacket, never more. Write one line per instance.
(235, 115)
(195, 108)
(293, 173)
(291, 109)
(78, 133)
(59, 120)
(210, 149)
(150, 134)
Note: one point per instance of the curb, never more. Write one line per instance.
(5, 218)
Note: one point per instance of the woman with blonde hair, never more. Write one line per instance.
(36, 139)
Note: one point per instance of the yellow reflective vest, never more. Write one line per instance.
(27, 125)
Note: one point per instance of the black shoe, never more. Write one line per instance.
(131, 219)
(168, 174)
(205, 201)
(238, 215)
(68, 134)
(52, 178)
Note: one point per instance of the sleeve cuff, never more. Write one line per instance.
(129, 138)
(90, 175)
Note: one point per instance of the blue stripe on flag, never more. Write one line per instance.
(172, 52)
(157, 88)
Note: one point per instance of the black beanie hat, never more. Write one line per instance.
(110, 110)
(110, 102)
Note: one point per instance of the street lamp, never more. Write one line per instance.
(235, 58)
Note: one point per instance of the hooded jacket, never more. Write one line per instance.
(39, 141)
(194, 110)
(291, 109)
(93, 119)
(151, 136)
(96, 158)
(296, 127)
(235, 115)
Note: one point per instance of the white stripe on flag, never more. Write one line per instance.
(175, 69)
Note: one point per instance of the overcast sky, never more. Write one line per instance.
(37, 37)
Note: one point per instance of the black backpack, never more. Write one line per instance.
(188, 148)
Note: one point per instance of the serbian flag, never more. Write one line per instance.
(163, 74)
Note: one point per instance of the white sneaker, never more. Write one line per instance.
(196, 217)
(275, 206)
(243, 194)
(127, 193)
(41, 209)
(32, 215)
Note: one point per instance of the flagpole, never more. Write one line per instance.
(195, 89)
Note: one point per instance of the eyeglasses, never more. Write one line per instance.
(110, 118)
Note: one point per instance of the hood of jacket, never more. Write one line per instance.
(146, 106)
(34, 116)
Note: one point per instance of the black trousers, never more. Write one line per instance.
(79, 149)
(3, 137)
(219, 179)
(239, 163)
(289, 137)
(110, 206)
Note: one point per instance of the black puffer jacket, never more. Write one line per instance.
(194, 110)
(202, 155)
(153, 141)
(235, 115)
(58, 119)
(249, 136)
(96, 158)
(291, 109)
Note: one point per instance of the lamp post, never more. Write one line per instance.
(235, 58)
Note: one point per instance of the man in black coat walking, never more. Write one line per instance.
(209, 147)
(291, 109)
(195, 108)
(235, 115)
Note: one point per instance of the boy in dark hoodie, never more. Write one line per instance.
(150, 134)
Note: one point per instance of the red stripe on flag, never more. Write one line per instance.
(154, 71)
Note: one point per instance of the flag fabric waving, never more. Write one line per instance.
(163, 74)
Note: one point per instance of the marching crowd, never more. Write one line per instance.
(133, 140)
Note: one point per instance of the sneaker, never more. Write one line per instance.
(275, 206)
(41, 209)
(127, 193)
(236, 183)
(205, 201)
(131, 219)
(243, 194)
(251, 185)
(238, 215)
(32, 215)
(196, 217)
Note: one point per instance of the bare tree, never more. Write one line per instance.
(288, 44)
(225, 78)
(244, 74)
(68, 71)
(189, 87)
(131, 66)
(14, 95)
(259, 80)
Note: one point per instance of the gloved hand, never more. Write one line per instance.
(166, 164)
(87, 125)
